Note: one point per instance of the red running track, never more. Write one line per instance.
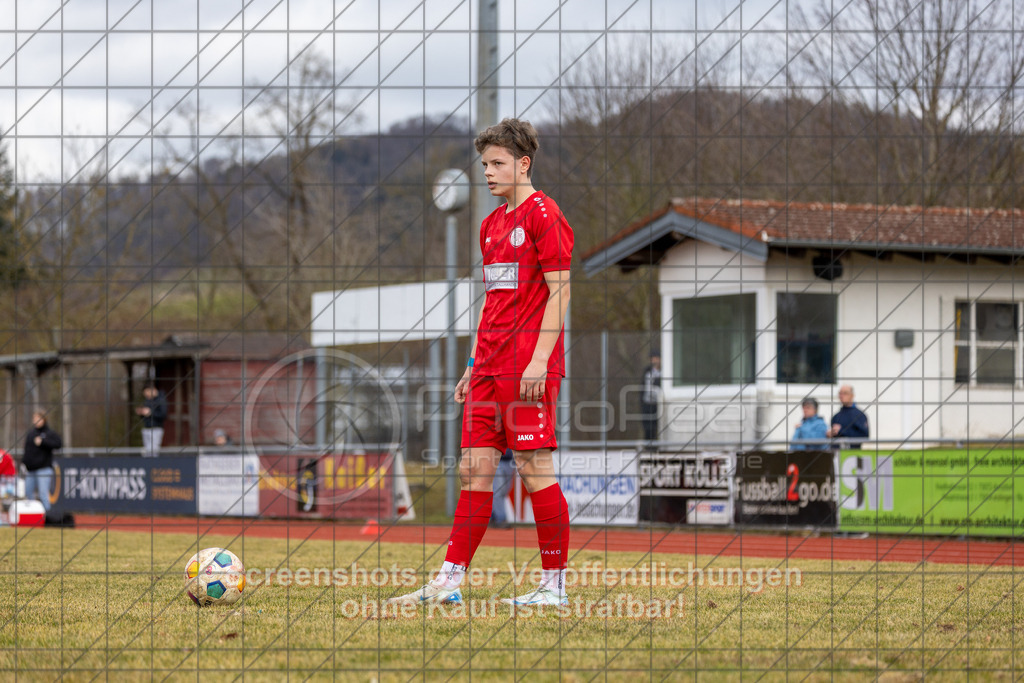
(667, 540)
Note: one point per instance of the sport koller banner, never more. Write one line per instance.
(686, 488)
(788, 488)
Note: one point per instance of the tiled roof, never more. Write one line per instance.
(849, 226)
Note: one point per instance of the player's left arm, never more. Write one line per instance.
(531, 386)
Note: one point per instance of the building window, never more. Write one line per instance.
(713, 340)
(987, 342)
(806, 334)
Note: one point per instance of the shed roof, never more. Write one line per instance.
(755, 226)
(222, 346)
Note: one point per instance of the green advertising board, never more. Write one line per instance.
(958, 492)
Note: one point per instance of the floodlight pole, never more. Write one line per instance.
(451, 193)
(451, 425)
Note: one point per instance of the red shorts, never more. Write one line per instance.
(495, 416)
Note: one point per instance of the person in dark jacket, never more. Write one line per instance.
(650, 397)
(850, 422)
(40, 443)
(503, 478)
(153, 412)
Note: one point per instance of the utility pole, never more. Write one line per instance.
(482, 202)
(486, 115)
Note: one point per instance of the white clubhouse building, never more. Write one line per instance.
(764, 303)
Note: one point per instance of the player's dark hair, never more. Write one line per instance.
(518, 137)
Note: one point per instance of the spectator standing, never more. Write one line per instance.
(850, 422)
(40, 443)
(810, 428)
(7, 466)
(221, 438)
(153, 412)
(8, 481)
(503, 477)
(650, 397)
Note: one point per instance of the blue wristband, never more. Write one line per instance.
(470, 363)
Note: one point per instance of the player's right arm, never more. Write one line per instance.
(462, 388)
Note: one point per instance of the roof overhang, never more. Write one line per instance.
(999, 254)
(649, 244)
(133, 354)
(42, 360)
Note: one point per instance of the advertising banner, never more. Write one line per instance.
(795, 488)
(335, 485)
(943, 491)
(599, 487)
(686, 488)
(165, 484)
(228, 484)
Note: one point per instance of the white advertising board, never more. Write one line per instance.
(600, 487)
(228, 485)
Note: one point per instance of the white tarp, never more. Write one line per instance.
(417, 311)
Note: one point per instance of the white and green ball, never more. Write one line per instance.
(214, 576)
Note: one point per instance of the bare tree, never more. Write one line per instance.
(80, 248)
(941, 76)
(12, 270)
(271, 203)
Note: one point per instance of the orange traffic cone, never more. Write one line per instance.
(371, 528)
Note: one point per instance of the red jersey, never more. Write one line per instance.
(518, 247)
(7, 466)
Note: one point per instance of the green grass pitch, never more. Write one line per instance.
(81, 604)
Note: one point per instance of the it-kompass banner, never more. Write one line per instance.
(165, 484)
(942, 491)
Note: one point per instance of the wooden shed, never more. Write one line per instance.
(208, 382)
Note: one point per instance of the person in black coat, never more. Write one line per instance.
(850, 422)
(650, 397)
(37, 457)
(153, 412)
(503, 478)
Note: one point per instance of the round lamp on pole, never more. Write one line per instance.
(451, 190)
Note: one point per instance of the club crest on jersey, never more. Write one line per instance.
(517, 236)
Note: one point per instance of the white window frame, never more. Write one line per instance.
(972, 345)
(669, 388)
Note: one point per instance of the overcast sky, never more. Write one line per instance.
(102, 79)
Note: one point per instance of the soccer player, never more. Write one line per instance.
(510, 387)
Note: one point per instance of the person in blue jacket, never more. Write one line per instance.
(812, 427)
(850, 422)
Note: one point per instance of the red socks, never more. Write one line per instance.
(552, 516)
(472, 514)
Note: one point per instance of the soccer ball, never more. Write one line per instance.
(214, 576)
